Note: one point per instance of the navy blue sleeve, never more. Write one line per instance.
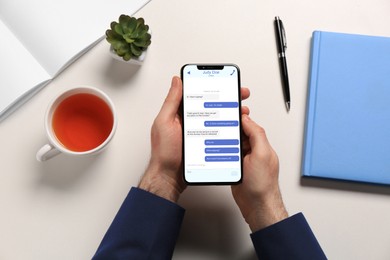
(291, 238)
(145, 227)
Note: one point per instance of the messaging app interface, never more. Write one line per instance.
(212, 126)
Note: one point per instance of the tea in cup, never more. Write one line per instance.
(81, 121)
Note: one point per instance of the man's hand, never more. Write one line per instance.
(258, 196)
(163, 176)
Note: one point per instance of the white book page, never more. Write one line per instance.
(20, 72)
(44, 37)
(55, 31)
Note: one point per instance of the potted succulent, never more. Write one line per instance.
(129, 38)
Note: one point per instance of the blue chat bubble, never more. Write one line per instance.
(222, 158)
(220, 104)
(221, 142)
(221, 150)
(220, 123)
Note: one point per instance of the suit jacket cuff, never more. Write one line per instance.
(146, 226)
(290, 238)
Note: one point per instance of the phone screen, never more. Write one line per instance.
(211, 124)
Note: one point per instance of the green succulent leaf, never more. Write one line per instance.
(140, 42)
(117, 45)
(111, 36)
(112, 25)
(131, 25)
(140, 30)
(123, 50)
(134, 34)
(118, 29)
(124, 19)
(128, 38)
(143, 42)
(140, 21)
(137, 51)
(143, 32)
(127, 56)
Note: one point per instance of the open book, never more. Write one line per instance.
(40, 38)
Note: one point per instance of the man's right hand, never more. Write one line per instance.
(258, 196)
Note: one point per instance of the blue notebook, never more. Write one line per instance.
(347, 131)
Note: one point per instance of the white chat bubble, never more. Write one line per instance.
(202, 114)
(202, 133)
(202, 96)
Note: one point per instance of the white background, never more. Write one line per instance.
(62, 208)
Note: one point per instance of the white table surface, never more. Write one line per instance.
(61, 209)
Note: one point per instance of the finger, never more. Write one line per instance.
(245, 93)
(256, 134)
(172, 101)
(245, 110)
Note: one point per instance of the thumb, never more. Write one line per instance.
(255, 133)
(172, 101)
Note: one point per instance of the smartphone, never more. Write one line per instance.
(211, 124)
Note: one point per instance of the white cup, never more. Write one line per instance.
(83, 108)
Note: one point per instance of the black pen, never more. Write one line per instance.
(282, 46)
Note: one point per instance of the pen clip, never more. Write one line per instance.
(284, 38)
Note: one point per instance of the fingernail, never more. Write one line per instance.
(175, 79)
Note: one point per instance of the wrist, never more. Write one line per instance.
(266, 214)
(158, 181)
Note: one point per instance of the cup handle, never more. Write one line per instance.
(47, 152)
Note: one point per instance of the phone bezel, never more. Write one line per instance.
(215, 66)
